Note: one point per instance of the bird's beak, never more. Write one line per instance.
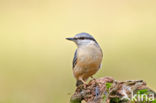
(72, 39)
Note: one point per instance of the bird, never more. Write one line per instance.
(87, 58)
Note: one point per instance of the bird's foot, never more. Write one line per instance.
(93, 78)
(84, 84)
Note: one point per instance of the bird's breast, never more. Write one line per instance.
(88, 61)
(90, 55)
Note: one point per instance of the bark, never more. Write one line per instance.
(108, 90)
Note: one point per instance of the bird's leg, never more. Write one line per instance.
(93, 78)
(84, 83)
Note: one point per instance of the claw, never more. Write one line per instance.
(84, 83)
(93, 78)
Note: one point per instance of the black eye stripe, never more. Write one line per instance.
(85, 38)
(81, 38)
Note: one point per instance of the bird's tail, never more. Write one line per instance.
(78, 82)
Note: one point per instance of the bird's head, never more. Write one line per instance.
(82, 39)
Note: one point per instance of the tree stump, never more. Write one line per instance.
(108, 90)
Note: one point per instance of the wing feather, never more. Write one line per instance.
(75, 59)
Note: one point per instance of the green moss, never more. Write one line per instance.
(75, 99)
(104, 97)
(143, 91)
(115, 100)
(154, 101)
(108, 85)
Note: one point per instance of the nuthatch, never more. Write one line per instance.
(88, 57)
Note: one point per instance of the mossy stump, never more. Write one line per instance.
(108, 90)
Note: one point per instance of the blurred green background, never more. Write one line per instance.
(36, 60)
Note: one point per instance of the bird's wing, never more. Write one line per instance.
(100, 66)
(75, 59)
